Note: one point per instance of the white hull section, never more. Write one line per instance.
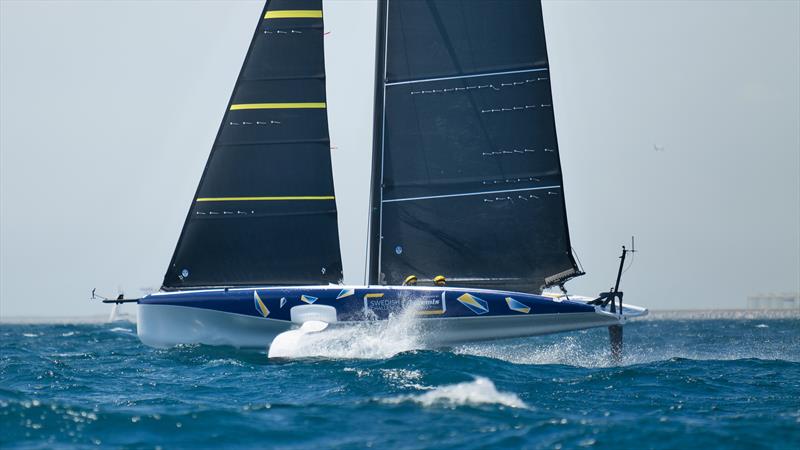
(169, 325)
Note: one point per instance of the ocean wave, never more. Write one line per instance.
(480, 391)
(689, 384)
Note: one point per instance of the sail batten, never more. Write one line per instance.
(460, 77)
(470, 181)
(265, 212)
(301, 105)
(466, 194)
(263, 199)
(294, 14)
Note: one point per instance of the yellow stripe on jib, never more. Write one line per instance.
(313, 105)
(265, 199)
(294, 14)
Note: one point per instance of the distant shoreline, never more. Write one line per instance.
(662, 314)
(712, 314)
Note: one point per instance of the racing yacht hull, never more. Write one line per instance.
(253, 317)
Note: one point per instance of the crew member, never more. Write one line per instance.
(410, 280)
(439, 280)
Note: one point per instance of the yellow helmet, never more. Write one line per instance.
(439, 280)
(410, 280)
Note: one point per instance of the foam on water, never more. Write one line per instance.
(405, 378)
(121, 330)
(224, 362)
(480, 391)
(589, 349)
(567, 351)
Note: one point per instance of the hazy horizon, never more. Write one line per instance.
(678, 122)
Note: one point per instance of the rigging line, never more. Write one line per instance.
(459, 77)
(633, 255)
(578, 258)
(467, 194)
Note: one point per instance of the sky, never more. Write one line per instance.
(678, 122)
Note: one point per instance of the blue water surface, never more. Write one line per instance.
(685, 382)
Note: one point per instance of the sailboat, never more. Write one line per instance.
(467, 190)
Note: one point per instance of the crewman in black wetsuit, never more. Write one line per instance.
(440, 280)
(410, 280)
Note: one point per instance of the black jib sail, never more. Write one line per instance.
(468, 179)
(264, 212)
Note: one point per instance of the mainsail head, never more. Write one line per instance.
(467, 173)
(264, 212)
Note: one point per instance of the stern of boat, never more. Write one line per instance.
(163, 325)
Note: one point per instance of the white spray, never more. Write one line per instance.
(371, 339)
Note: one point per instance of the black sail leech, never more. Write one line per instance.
(469, 180)
(264, 212)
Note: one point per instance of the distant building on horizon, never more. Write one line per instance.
(774, 301)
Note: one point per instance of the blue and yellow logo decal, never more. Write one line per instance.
(345, 293)
(517, 306)
(475, 304)
(308, 299)
(261, 308)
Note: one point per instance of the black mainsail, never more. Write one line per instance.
(264, 212)
(467, 179)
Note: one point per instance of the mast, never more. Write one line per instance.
(264, 212)
(374, 235)
(466, 175)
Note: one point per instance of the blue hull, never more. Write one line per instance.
(253, 317)
(362, 303)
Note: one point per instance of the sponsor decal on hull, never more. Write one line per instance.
(345, 293)
(308, 299)
(475, 304)
(261, 308)
(424, 304)
(516, 305)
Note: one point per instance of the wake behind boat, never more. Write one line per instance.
(466, 182)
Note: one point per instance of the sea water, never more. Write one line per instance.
(686, 381)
